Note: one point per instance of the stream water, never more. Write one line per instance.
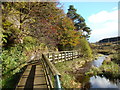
(100, 81)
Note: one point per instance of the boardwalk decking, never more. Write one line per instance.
(34, 76)
(42, 73)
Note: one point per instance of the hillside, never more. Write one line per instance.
(107, 40)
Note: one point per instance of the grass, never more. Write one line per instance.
(110, 70)
(68, 79)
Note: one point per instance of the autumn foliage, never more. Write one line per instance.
(42, 20)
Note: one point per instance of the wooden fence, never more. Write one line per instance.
(62, 56)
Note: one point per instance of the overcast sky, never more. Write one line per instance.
(101, 17)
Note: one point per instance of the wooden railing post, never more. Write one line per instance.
(61, 56)
(48, 55)
(68, 55)
(72, 55)
(65, 56)
(57, 57)
(78, 54)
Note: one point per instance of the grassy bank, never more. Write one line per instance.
(68, 71)
(109, 69)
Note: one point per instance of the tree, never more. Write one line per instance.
(67, 37)
(79, 21)
(15, 20)
(46, 16)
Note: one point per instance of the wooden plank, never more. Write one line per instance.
(23, 79)
(39, 80)
(40, 86)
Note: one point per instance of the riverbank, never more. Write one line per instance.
(106, 74)
(79, 72)
(109, 69)
(71, 70)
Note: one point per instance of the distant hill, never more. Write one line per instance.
(107, 40)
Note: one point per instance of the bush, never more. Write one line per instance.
(111, 70)
(85, 48)
(116, 58)
(12, 58)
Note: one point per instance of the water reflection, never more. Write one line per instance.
(99, 61)
(101, 82)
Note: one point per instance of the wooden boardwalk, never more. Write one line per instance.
(42, 73)
(34, 76)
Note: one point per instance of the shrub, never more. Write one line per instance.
(12, 58)
(85, 48)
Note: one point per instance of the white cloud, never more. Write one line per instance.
(115, 8)
(103, 16)
(99, 82)
(104, 24)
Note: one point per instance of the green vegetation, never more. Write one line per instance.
(109, 69)
(85, 48)
(116, 58)
(79, 22)
(68, 72)
(106, 48)
(112, 69)
(14, 58)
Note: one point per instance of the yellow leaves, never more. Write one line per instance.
(67, 34)
(70, 38)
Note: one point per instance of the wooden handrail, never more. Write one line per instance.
(64, 51)
(61, 56)
(51, 58)
(52, 67)
(54, 73)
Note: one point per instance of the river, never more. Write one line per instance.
(100, 81)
